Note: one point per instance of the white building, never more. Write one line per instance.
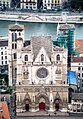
(5, 3)
(51, 4)
(39, 72)
(77, 65)
(28, 4)
(76, 103)
(3, 54)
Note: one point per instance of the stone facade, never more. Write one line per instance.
(39, 73)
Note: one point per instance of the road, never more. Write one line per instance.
(42, 17)
(50, 117)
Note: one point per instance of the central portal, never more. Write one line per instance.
(42, 106)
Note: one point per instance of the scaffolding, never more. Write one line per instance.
(65, 37)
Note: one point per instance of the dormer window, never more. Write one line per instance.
(58, 57)
(42, 57)
(26, 57)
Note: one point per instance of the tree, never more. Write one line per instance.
(76, 4)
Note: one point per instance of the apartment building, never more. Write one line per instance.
(77, 65)
(5, 3)
(28, 4)
(51, 4)
(3, 54)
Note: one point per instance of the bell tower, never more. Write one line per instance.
(15, 31)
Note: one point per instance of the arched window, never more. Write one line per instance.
(15, 36)
(58, 57)
(12, 36)
(19, 34)
(26, 57)
(42, 57)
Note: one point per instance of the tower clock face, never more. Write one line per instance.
(42, 72)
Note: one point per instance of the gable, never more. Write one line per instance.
(42, 57)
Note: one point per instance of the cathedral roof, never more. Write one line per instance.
(38, 42)
(14, 27)
(27, 48)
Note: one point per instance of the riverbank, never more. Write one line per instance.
(42, 17)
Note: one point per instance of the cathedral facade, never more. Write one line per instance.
(38, 71)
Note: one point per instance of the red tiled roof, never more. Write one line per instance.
(77, 59)
(5, 112)
(79, 45)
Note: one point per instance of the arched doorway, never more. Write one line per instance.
(42, 100)
(27, 102)
(27, 105)
(41, 106)
(57, 104)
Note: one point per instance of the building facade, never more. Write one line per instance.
(77, 66)
(5, 4)
(44, 4)
(29, 4)
(39, 71)
(76, 102)
(4, 55)
(65, 38)
(52, 4)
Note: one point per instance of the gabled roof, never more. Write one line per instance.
(17, 27)
(37, 42)
(77, 59)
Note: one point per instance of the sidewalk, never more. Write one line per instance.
(42, 113)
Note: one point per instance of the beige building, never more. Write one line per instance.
(77, 66)
(5, 3)
(51, 4)
(28, 4)
(39, 71)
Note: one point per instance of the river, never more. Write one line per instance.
(32, 29)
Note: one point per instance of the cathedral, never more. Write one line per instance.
(38, 71)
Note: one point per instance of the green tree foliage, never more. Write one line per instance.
(73, 4)
(76, 4)
(5, 77)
